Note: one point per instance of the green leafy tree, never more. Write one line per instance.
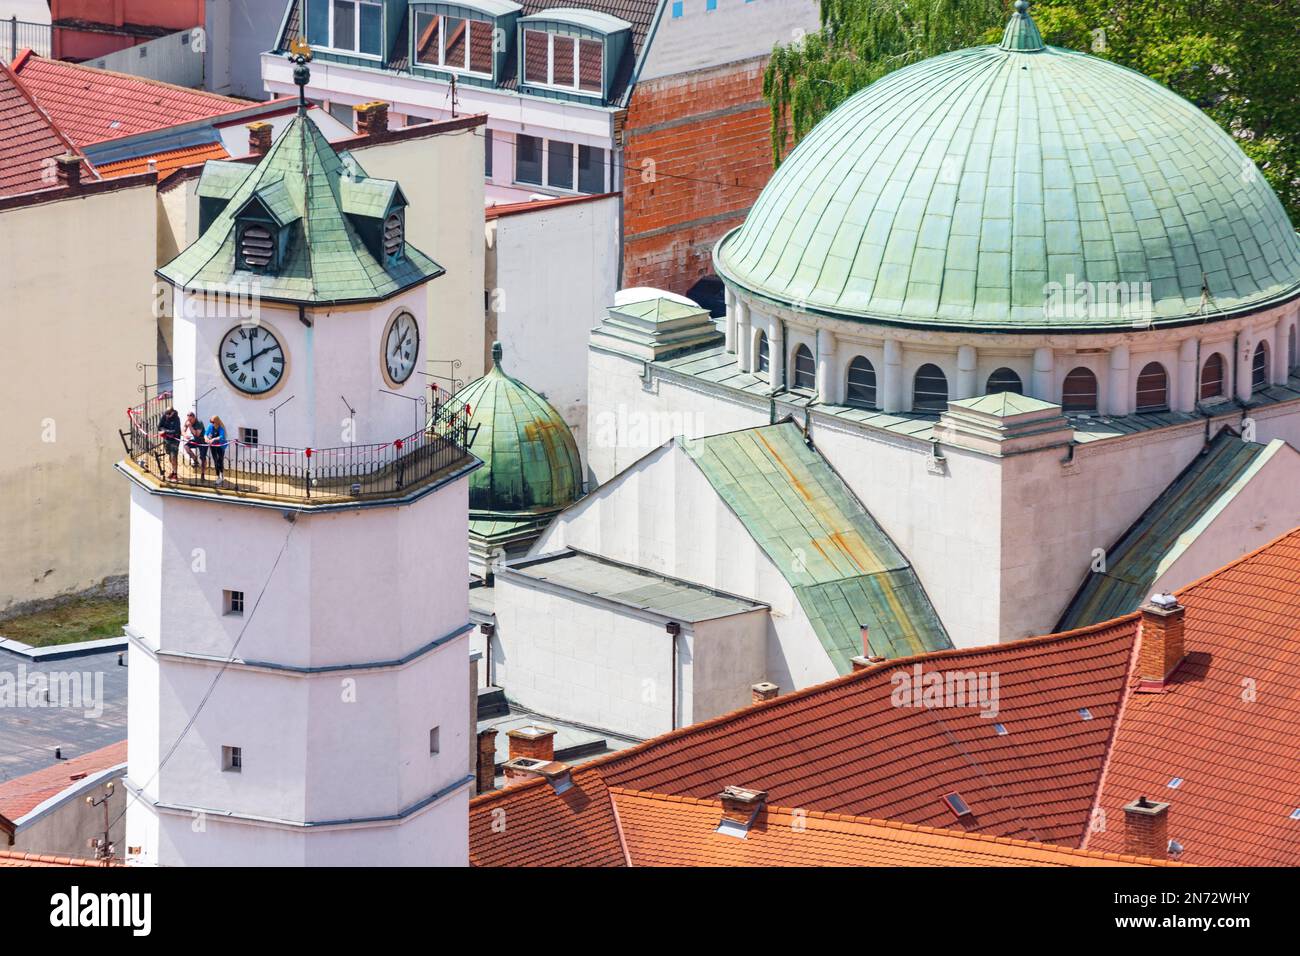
(1239, 60)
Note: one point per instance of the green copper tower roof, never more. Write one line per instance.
(955, 192)
(324, 209)
(531, 464)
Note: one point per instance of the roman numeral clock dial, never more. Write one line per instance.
(252, 359)
(401, 347)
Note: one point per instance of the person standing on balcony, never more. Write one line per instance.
(216, 437)
(195, 444)
(169, 426)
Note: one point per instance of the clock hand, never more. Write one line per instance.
(254, 358)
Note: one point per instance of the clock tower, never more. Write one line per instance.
(299, 621)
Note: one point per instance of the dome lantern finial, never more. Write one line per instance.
(497, 352)
(1021, 34)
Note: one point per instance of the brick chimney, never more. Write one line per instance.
(372, 117)
(68, 170)
(1146, 829)
(1161, 641)
(536, 741)
(764, 690)
(487, 755)
(741, 807)
(259, 138)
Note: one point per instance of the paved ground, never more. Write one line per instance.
(28, 735)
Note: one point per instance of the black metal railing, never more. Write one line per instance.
(347, 471)
(18, 34)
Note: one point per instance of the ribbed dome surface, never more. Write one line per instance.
(952, 192)
(531, 461)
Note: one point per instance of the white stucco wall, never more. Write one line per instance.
(75, 308)
(335, 685)
(579, 658)
(664, 516)
(548, 284)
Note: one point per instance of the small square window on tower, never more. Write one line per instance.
(233, 602)
(433, 741)
(232, 759)
(248, 436)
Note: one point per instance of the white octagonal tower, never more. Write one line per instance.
(299, 664)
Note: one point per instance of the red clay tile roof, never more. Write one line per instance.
(13, 858)
(660, 830)
(167, 161)
(841, 747)
(28, 140)
(85, 102)
(576, 828)
(1228, 724)
(21, 795)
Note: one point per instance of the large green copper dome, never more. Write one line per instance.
(531, 464)
(951, 193)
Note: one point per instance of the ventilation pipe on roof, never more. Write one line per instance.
(519, 769)
(867, 658)
(1160, 637)
(1146, 829)
(764, 691)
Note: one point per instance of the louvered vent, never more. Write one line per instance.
(257, 246)
(393, 235)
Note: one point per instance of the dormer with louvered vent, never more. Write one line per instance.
(377, 209)
(263, 226)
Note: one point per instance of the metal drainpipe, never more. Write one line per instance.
(674, 629)
(488, 631)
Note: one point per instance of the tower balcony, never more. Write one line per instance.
(306, 478)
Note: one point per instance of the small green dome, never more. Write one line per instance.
(960, 191)
(531, 463)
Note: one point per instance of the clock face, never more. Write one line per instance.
(252, 359)
(401, 346)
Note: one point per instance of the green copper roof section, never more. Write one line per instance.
(1167, 529)
(368, 197)
(531, 464)
(844, 569)
(953, 192)
(326, 261)
(1005, 404)
(1022, 33)
(220, 179)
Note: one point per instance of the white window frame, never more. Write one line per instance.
(550, 83)
(356, 29)
(442, 46)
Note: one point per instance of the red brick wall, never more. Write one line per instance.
(710, 127)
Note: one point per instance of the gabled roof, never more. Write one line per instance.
(20, 795)
(661, 830)
(844, 569)
(93, 105)
(1166, 529)
(1225, 724)
(29, 140)
(302, 178)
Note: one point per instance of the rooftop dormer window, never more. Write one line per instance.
(564, 62)
(454, 43)
(346, 26)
